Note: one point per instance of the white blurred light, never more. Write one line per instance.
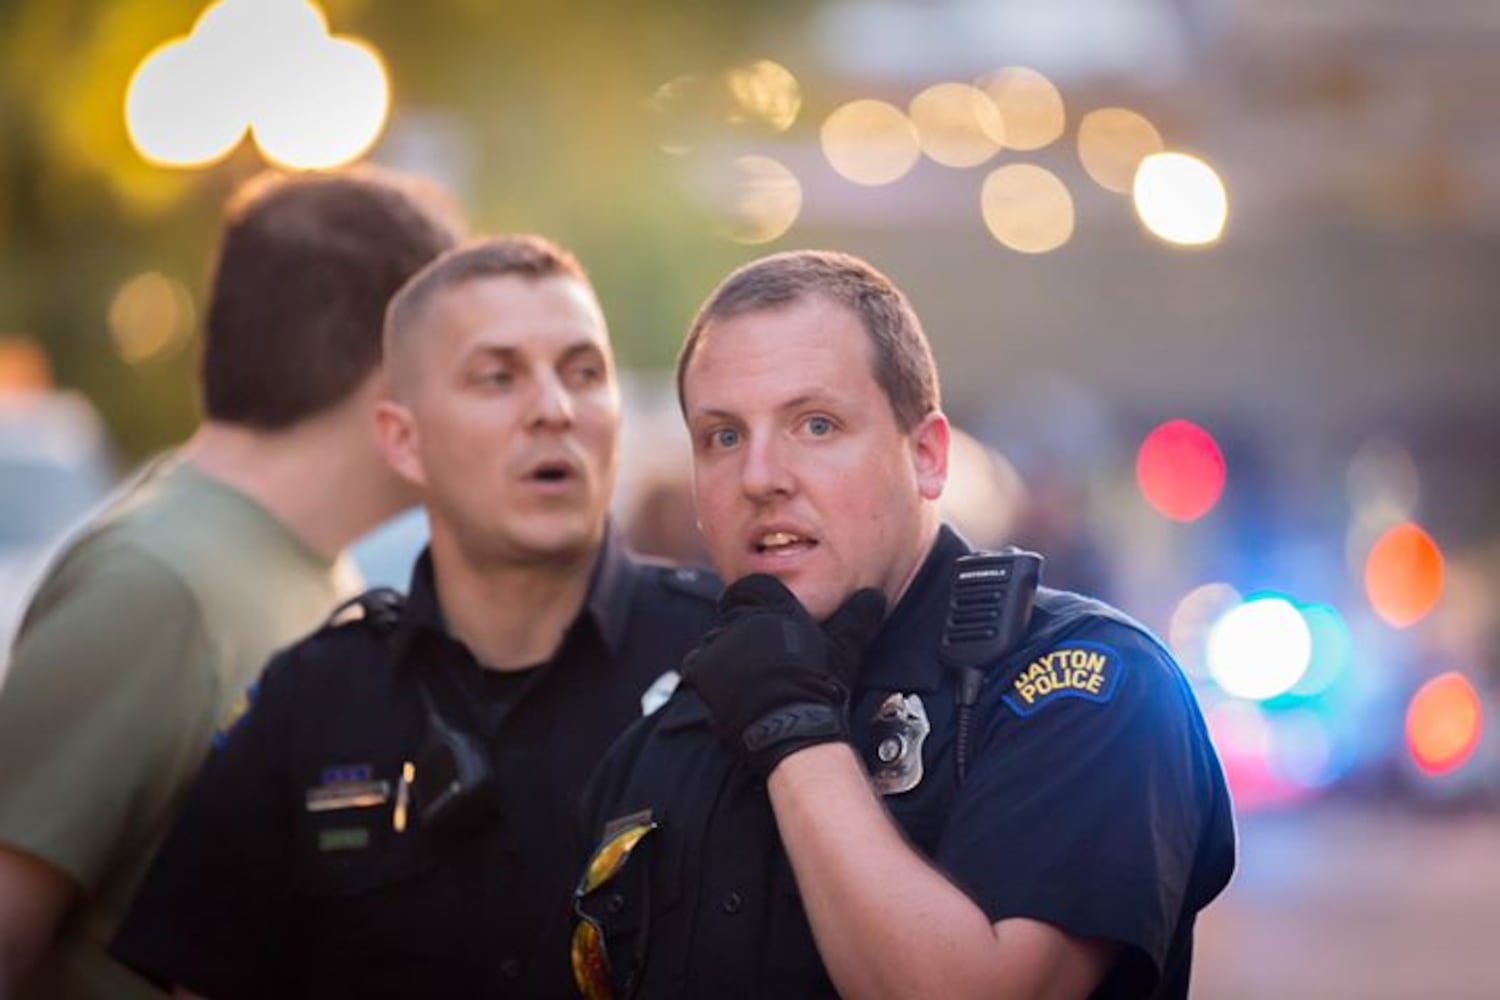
(870, 142)
(328, 112)
(175, 111)
(269, 66)
(957, 125)
(1027, 208)
(1259, 649)
(1030, 105)
(1180, 199)
(765, 202)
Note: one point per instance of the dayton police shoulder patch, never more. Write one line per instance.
(1087, 670)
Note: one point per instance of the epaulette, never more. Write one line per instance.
(380, 608)
(692, 581)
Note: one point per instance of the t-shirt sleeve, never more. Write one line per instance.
(215, 912)
(1088, 796)
(105, 711)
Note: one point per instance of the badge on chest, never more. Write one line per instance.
(893, 755)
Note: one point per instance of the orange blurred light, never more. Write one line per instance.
(1444, 723)
(1404, 575)
(1180, 470)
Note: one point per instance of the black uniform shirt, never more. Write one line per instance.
(1094, 801)
(290, 872)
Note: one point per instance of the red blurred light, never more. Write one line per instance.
(1404, 575)
(1444, 723)
(1180, 470)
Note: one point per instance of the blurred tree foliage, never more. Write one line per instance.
(536, 112)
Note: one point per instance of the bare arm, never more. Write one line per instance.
(889, 925)
(33, 898)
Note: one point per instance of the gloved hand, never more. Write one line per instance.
(774, 680)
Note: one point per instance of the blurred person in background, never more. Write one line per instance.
(810, 814)
(159, 611)
(396, 814)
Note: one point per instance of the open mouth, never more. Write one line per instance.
(782, 543)
(552, 473)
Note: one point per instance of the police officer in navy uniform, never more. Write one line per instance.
(396, 813)
(841, 800)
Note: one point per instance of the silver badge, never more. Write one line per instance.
(894, 756)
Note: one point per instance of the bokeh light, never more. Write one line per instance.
(764, 92)
(1030, 106)
(24, 366)
(328, 111)
(1304, 751)
(1193, 618)
(870, 142)
(1180, 199)
(1383, 481)
(151, 316)
(1332, 649)
(1180, 470)
(1027, 208)
(1404, 575)
(310, 101)
(957, 125)
(1112, 142)
(766, 201)
(677, 107)
(1259, 649)
(1444, 723)
(177, 113)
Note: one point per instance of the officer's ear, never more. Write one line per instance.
(399, 440)
(929, 454)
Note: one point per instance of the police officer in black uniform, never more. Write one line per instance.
(395, 815)
(993, 790)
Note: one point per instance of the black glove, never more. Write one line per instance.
(774, 680)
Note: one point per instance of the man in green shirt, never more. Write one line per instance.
(147, 629)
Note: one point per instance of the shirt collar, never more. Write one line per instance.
(611, 588)
(904, 655)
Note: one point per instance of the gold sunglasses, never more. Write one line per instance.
(591, 968)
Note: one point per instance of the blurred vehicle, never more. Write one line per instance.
(56, 465)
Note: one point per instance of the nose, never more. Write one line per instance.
(765, 473)
(551, 403)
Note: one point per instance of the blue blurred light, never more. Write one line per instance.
(1332, 649)
(1305, 751)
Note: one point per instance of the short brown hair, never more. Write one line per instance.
(306, 266)
(523, 256)
(901, 358)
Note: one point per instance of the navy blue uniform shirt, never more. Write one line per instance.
(289, 873)
(1094, 801)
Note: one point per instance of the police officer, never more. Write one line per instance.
(915, 804)
(391, 817)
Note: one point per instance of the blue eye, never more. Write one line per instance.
(724, 437)
(819, 426)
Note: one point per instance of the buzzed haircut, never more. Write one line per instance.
(901, 357)
(306, 267)
(524, 256)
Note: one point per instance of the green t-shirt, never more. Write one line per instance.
(139, 640)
